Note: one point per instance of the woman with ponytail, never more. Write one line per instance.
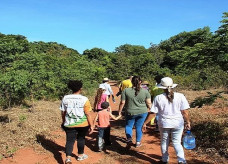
(171, 108)
(137, 102)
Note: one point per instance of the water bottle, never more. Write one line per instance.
(189, 140)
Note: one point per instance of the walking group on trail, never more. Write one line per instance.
(170, 108)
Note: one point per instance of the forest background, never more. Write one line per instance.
(38, 70)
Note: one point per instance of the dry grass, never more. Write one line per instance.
(210, 125)
(20, 126)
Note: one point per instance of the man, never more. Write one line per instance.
(108, 89)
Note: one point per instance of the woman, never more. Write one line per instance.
(138, 101)
(171, 108)
(76, 117)
(100, 98)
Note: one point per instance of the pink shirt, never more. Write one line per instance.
(103, 118)
(103, 99)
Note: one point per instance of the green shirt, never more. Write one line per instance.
(156, 91)
(135, 104)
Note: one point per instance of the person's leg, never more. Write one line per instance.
(164, 133)
(100, 138)
(81, 139)
(130, 121)
(176, 135)
(139, 121)
(107, 136)
(71, 134)
(156, 122)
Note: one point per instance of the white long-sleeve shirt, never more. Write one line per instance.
(108, 89)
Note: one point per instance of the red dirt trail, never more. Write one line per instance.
(148, 153)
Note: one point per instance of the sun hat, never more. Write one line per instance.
(104, 105)
(102, 86)
(105, 79)
(145, 82)
(166, 83)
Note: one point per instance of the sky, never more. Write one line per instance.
(107, 24)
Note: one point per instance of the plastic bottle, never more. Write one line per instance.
(189, 140)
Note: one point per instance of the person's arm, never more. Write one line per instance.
(122, 103)
(63, 114)
(187, 119)
(148, 104)
(95, 120)
(87, 110)
(110, 90)
(148, 119)
(113, 117)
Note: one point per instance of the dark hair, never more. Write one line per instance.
(136, 82)
(104, 105)
(169, 95)
(74, 85)
(158, 78)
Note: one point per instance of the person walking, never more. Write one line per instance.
(103, 118)
(154, 92)
(172, 110)
(125, 84)
(76, 120)
(137, 102)
(108, 89)
(100, 98)
(145, 85)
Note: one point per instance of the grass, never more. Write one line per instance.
(210, 125)
(20, 126)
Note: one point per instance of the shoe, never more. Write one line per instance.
(83, 157)
(68, 161)
(163, 162)
(138, 144)
(129, 143)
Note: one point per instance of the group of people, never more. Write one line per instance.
(170, 108)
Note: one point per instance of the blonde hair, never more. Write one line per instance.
(98, 97)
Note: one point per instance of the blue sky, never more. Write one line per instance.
(107, 24)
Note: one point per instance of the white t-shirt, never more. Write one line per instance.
(75, 106)
(108, 89)
(169, 114)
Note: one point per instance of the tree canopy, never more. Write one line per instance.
(38, 70)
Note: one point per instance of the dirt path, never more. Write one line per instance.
(117, 153)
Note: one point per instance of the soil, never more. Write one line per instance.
(149, 152)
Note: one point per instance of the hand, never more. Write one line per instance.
(187, 126)
(91, 129)
(144, 128)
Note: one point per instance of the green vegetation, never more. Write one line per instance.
(38, 70)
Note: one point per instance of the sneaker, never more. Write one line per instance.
(100, 149)
(138, 144)
(83, 157)
(68, 161)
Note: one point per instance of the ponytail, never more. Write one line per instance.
(169, 94)
(136, 82)
(98, 97)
